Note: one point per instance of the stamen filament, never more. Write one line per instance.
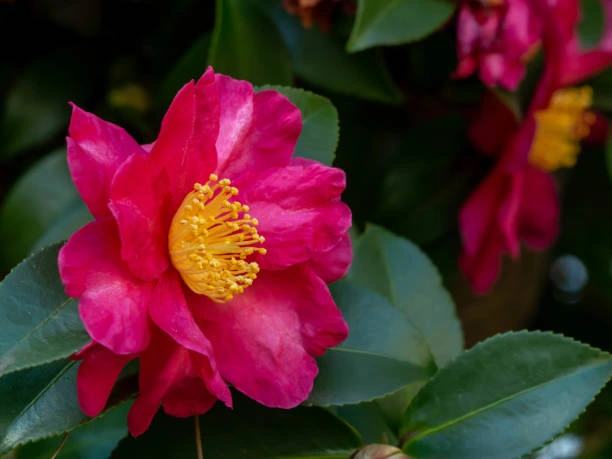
(210, 237)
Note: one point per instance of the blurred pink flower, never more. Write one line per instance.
(518, 201)
(204, 289)
(496, 38)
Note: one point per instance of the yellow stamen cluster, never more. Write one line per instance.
(560, 127)
(210, 238)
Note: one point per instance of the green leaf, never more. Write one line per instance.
(95, 440)
(393, 22)
(42, 402)
(504, 397)
(321, 59)
(38, 322)
(36, 108)
(247, 45)
(249, 431)
(44, 199)
(399, 270)
(320, 128)
(368, 420)
(591, 25)
(383, 352)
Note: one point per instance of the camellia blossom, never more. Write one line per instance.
(518, 201)
(496, 38)
(209, 255)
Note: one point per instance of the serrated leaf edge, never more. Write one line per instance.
(499, 336)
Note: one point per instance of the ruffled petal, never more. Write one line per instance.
(96, 149)
(97, 375)
(147, 190)
(162, 365)
(538, 219)
(257, 130)
(170, 312)
(264, 339)
(185, 148)
(188, 397)
(299, 211)
(333, 264)
(113, 303)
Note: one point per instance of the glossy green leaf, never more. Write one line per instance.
(393, 22)
(321, 59)
(382, 353)
(36, 108)
(95, 440)
(399, 270)
(38, 322)
(249, 431)
(43, 200)
(41, 402)
(247, 45)
(369, 421)
(320, 128)
(505, 397)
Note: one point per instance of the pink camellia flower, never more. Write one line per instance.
(496, 38)
(209, 254)
(518, 201)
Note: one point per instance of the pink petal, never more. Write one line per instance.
(96, 149)
(538, 219)
(584, 65)
(482, 269)
(188, 397)
(96, 377)
(480, 211)
(299, 211)
(147, 190)
(508, 211)
(333, 264)
(264, 339)
(162, 365)
(257, 130)
(113, 304)
(185, 148)
(171, 313)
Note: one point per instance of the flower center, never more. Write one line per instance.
(210, 238)
(560, 127)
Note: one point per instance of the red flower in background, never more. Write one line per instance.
(496, 38)
(203, 288)
(518, 200)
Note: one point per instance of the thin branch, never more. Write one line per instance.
(61, 445)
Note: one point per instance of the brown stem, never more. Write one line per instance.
(198, 437)
(61, 445)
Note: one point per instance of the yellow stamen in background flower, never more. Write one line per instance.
(210, 238)
(560, 127)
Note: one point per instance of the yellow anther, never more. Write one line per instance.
(210, 238)
(560, 127)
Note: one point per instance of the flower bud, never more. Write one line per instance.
(379, 452)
